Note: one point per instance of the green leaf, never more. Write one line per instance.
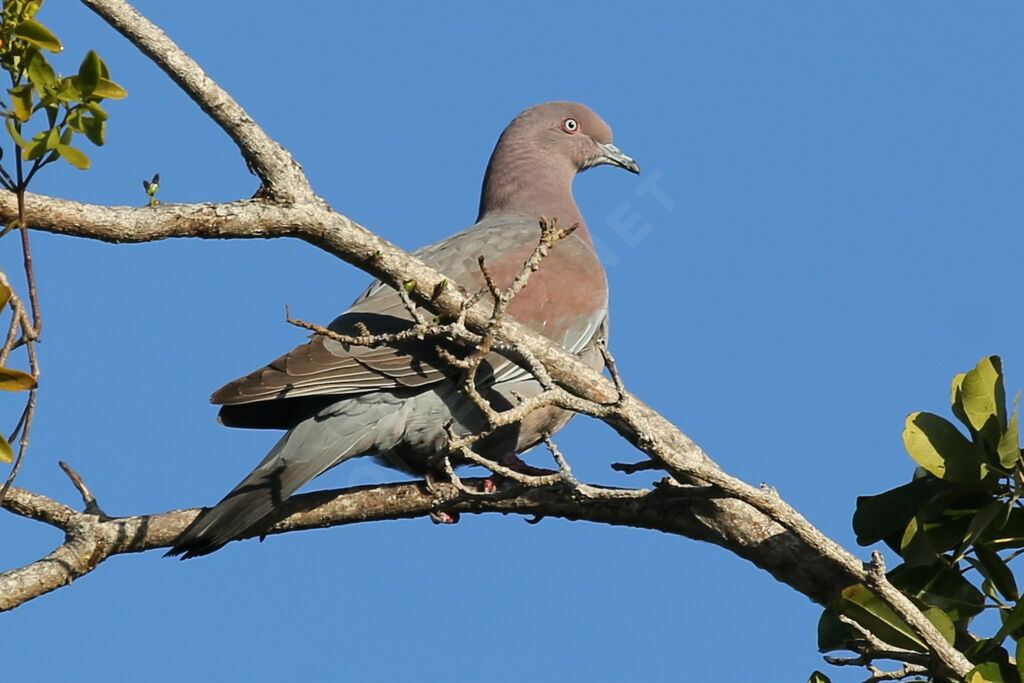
(16, 380)
(884, 514)
(6, 452)
(997, 571)
(95, 130)
(15, 135)
(915, 547)
(981, 521)
(67, 90)
(33, 7)
(35, 149)
(40, 73)
(1011, 622)
(73, 156)
(21, 100)
(993, 660)
(957, 399)
(1009, 534)
(942, 586)
(74, 120)
(833, 634)
(950, 529)
(107, 89)
(5, 295)
(984, 399)
(89, 73)
(868, 610)
(1019, 656)
(52, 138)
(985, 673)
(1009, 441)
(32, 31)
(818, 677)
(97, 111)
(935, 444)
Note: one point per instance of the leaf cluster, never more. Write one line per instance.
(60, 106)
(956, 526)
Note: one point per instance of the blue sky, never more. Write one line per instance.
(836, 231)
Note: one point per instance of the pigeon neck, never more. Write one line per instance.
(528, 187)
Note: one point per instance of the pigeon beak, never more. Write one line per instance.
(610, 154)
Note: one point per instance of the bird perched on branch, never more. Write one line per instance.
(338, 401)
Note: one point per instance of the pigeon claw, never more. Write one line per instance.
(444, 517)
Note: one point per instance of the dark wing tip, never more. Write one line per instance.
(192, 544)
(187, 551)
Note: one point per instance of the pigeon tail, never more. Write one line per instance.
(301, 455)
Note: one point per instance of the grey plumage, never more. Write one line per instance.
(339, 402)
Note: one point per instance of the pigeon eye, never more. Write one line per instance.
(571, 126)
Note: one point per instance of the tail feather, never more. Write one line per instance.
(305, 452)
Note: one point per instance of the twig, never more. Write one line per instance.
(32, 332)
(29, 331)
(91, 506)
(634, 467)
(25, 425)
(586, 490)
(613, 370)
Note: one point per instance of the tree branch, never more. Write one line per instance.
(91, 538)
(282, 177)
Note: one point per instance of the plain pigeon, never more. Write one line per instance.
(338, 401)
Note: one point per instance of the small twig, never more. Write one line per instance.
(416, 332)
(634, 467)
(689, 490)
(531, 480)
(91, 506)
(31, 334)
(492, 286)
(877, 675)
(586, 490)
(456, 480)
(410, 306)
(613, 369)
(867, 661)
(25, 425)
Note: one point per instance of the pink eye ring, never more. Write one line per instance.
(571, 126)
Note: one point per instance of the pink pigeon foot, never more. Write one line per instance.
(444, 517)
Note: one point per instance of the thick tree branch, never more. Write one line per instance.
(90, 538)
(283, 178)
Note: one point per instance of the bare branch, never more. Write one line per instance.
(283, 178)
(92, 539)
(634, 467)
(91, 506)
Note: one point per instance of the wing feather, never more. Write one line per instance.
(323, 367)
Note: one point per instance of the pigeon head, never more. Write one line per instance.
(537, 156)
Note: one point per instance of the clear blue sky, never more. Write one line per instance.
(839, 232)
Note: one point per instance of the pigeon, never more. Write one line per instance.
(338, 401)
